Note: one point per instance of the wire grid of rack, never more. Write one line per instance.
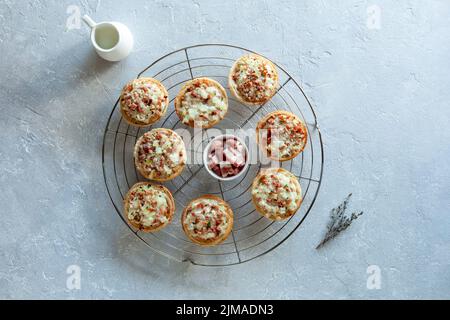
(252, 235)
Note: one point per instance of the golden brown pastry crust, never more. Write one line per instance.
(170, 201)
(293, 181)
(150, 174)
(233, 86)
(261, 124)
(212, 241)
(158, 114)
(191, 84)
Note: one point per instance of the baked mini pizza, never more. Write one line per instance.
(207, 220)
(253, 79)
(160, 154)
(149, 207)
(282, 135)
(276, 193)
(201, 103)
(143, 101)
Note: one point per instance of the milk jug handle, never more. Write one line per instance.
(89, 21)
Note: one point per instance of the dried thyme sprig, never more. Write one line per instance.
(339, 221)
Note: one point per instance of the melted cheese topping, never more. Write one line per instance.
(202, 103)
(283, 135)
(275, 193)
(148, 206)
(254, 78)
(206, 219)
(160, 152)
(144, 100)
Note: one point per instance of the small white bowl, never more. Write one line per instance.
(207, 150)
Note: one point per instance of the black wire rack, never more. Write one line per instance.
(252, 235)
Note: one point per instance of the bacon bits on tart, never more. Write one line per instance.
(143, 101)
(201, 103)
(149, 207)
(160, 154)
(282, 135)
(207, 220)
(253, 79)
(276, 193)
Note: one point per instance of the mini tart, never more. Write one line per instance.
(160, 154)
(253, 79)
(143, 101)
(282, 135)
(201, 103)
(276, 193)
(207, 220)
(149, 207)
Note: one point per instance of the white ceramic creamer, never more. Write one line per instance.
(113, 41)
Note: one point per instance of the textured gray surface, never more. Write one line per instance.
(381, 96)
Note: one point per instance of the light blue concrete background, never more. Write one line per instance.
(382, 99)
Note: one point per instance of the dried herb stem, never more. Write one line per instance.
(339, 221)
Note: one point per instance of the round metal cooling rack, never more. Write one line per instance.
(252, 235)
